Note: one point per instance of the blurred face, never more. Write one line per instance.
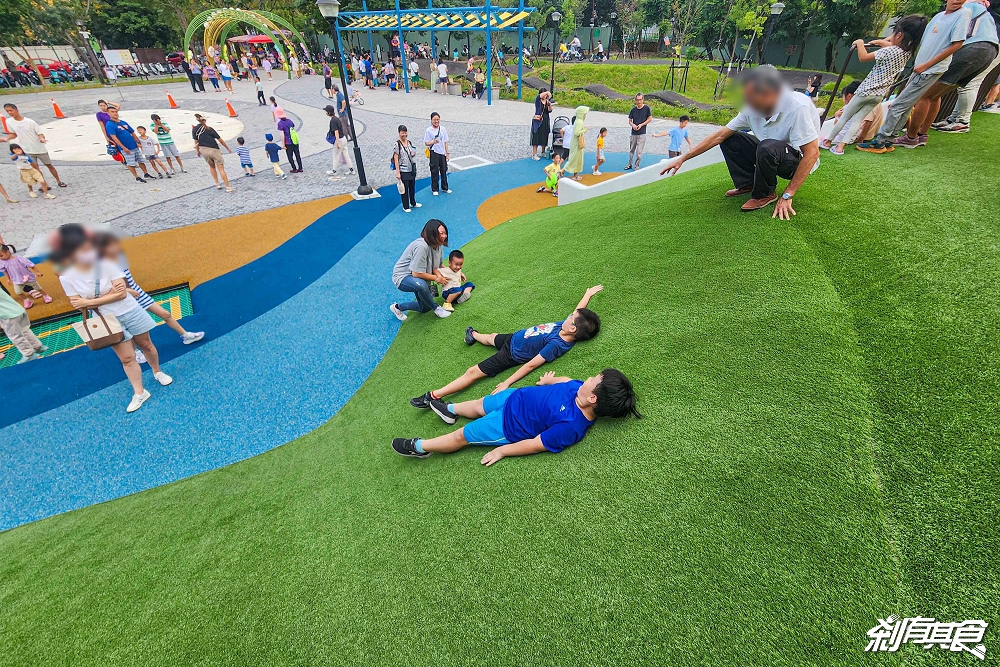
(4, 254)
(760, 99)
(85, 254)
(585, 394)
(17, 151)
(103, 106)
(557, 159)
(848, 97)
(141, 130)
(456, 263)
(112, 249)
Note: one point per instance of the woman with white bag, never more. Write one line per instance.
(98, 284)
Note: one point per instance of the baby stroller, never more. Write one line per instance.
(557, 141)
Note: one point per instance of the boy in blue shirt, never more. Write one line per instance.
(272, 154)
(678, 135)
(530, 347)
(517, 422)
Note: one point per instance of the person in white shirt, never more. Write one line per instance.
(436, 140)
(785, 142)
(293, 63)
(29, 137)
(442, 72)
(99, 285)
(414, 71)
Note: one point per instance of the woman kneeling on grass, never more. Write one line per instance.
(517, 422)
(417, 267)
(98, 284)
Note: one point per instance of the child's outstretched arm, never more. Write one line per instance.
(588, 295)
(660, 134)
(525, 370)
(520, 448)
(551, 378)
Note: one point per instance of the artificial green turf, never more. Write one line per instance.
(819, 450)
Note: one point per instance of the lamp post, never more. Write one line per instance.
(330, 9)
(776, 10)
(611, 39)
(556, 17)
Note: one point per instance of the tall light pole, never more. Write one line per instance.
(330, 9)
(776, 10)
(556, 17)
(611, 39)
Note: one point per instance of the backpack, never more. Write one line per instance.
(295, 137)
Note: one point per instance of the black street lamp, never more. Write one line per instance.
(776, 10)
(611, 39)
(556, 17)
(330, 9)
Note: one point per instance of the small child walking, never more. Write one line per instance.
(458, 289)
(150, 148)
(553, 173)
(15, 323)
(22, 274)
(600, 151)
(260, 92)
(678, 135)
(274, 156)
(244, 153)
(167, 147)
(28, 170)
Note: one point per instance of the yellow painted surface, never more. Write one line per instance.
(514, 203)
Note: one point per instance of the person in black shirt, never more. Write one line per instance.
(207, 142)
(337, 138)
(638, 118)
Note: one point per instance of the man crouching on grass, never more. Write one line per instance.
(517, 422)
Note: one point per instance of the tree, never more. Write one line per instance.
(749, 16)
(711, 26)
(124, 23)
(16, 17)
(853, 17)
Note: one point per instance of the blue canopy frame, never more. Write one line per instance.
(486, 19)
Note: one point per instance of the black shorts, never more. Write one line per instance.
(968, 62)
(502, 360)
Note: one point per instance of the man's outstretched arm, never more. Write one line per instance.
(709, 142)
(588, 295)
(521, 448)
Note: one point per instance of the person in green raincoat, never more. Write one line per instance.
(574, 164)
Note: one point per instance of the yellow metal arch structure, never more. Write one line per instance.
(218, 23)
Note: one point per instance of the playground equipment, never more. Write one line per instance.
(219, 23)
(487, 19)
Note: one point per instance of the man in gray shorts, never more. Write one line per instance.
(29, 137)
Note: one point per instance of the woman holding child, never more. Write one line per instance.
(417, 267)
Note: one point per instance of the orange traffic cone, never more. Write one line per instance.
(170, 99)
(230, 109)
(56, 109)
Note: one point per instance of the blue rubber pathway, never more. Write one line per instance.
(267, 381)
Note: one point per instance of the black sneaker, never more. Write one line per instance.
(422, 402)
(440, 408)
(139, 180)
(469, 338)
(407, 447)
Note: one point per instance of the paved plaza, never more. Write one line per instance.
(100, 191)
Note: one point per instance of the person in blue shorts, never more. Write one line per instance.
(517, 422)
(528, 348)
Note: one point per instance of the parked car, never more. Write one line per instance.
(175, 58)
(46, 66)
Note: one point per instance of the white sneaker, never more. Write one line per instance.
(448, 191)
(218, 186)
(137, 401)
(162, 378)
(441, 312)
(34, 195)
(331, 172)
(418, 205)
(433, 192)
(192, 337)
(230, 189)
(139, 356)
(407, 210)
(49, 195)
(597, 173)
(400, 315)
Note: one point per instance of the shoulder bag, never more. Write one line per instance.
(101, 331)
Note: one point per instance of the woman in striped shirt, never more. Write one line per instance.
(110, 249)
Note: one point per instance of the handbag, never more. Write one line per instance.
(101, 331)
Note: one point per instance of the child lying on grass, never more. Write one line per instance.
(530, 347)
(530, 420)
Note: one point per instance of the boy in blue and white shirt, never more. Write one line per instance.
(518, 422)
(528, 348)
(678, 135)
(244, 154)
